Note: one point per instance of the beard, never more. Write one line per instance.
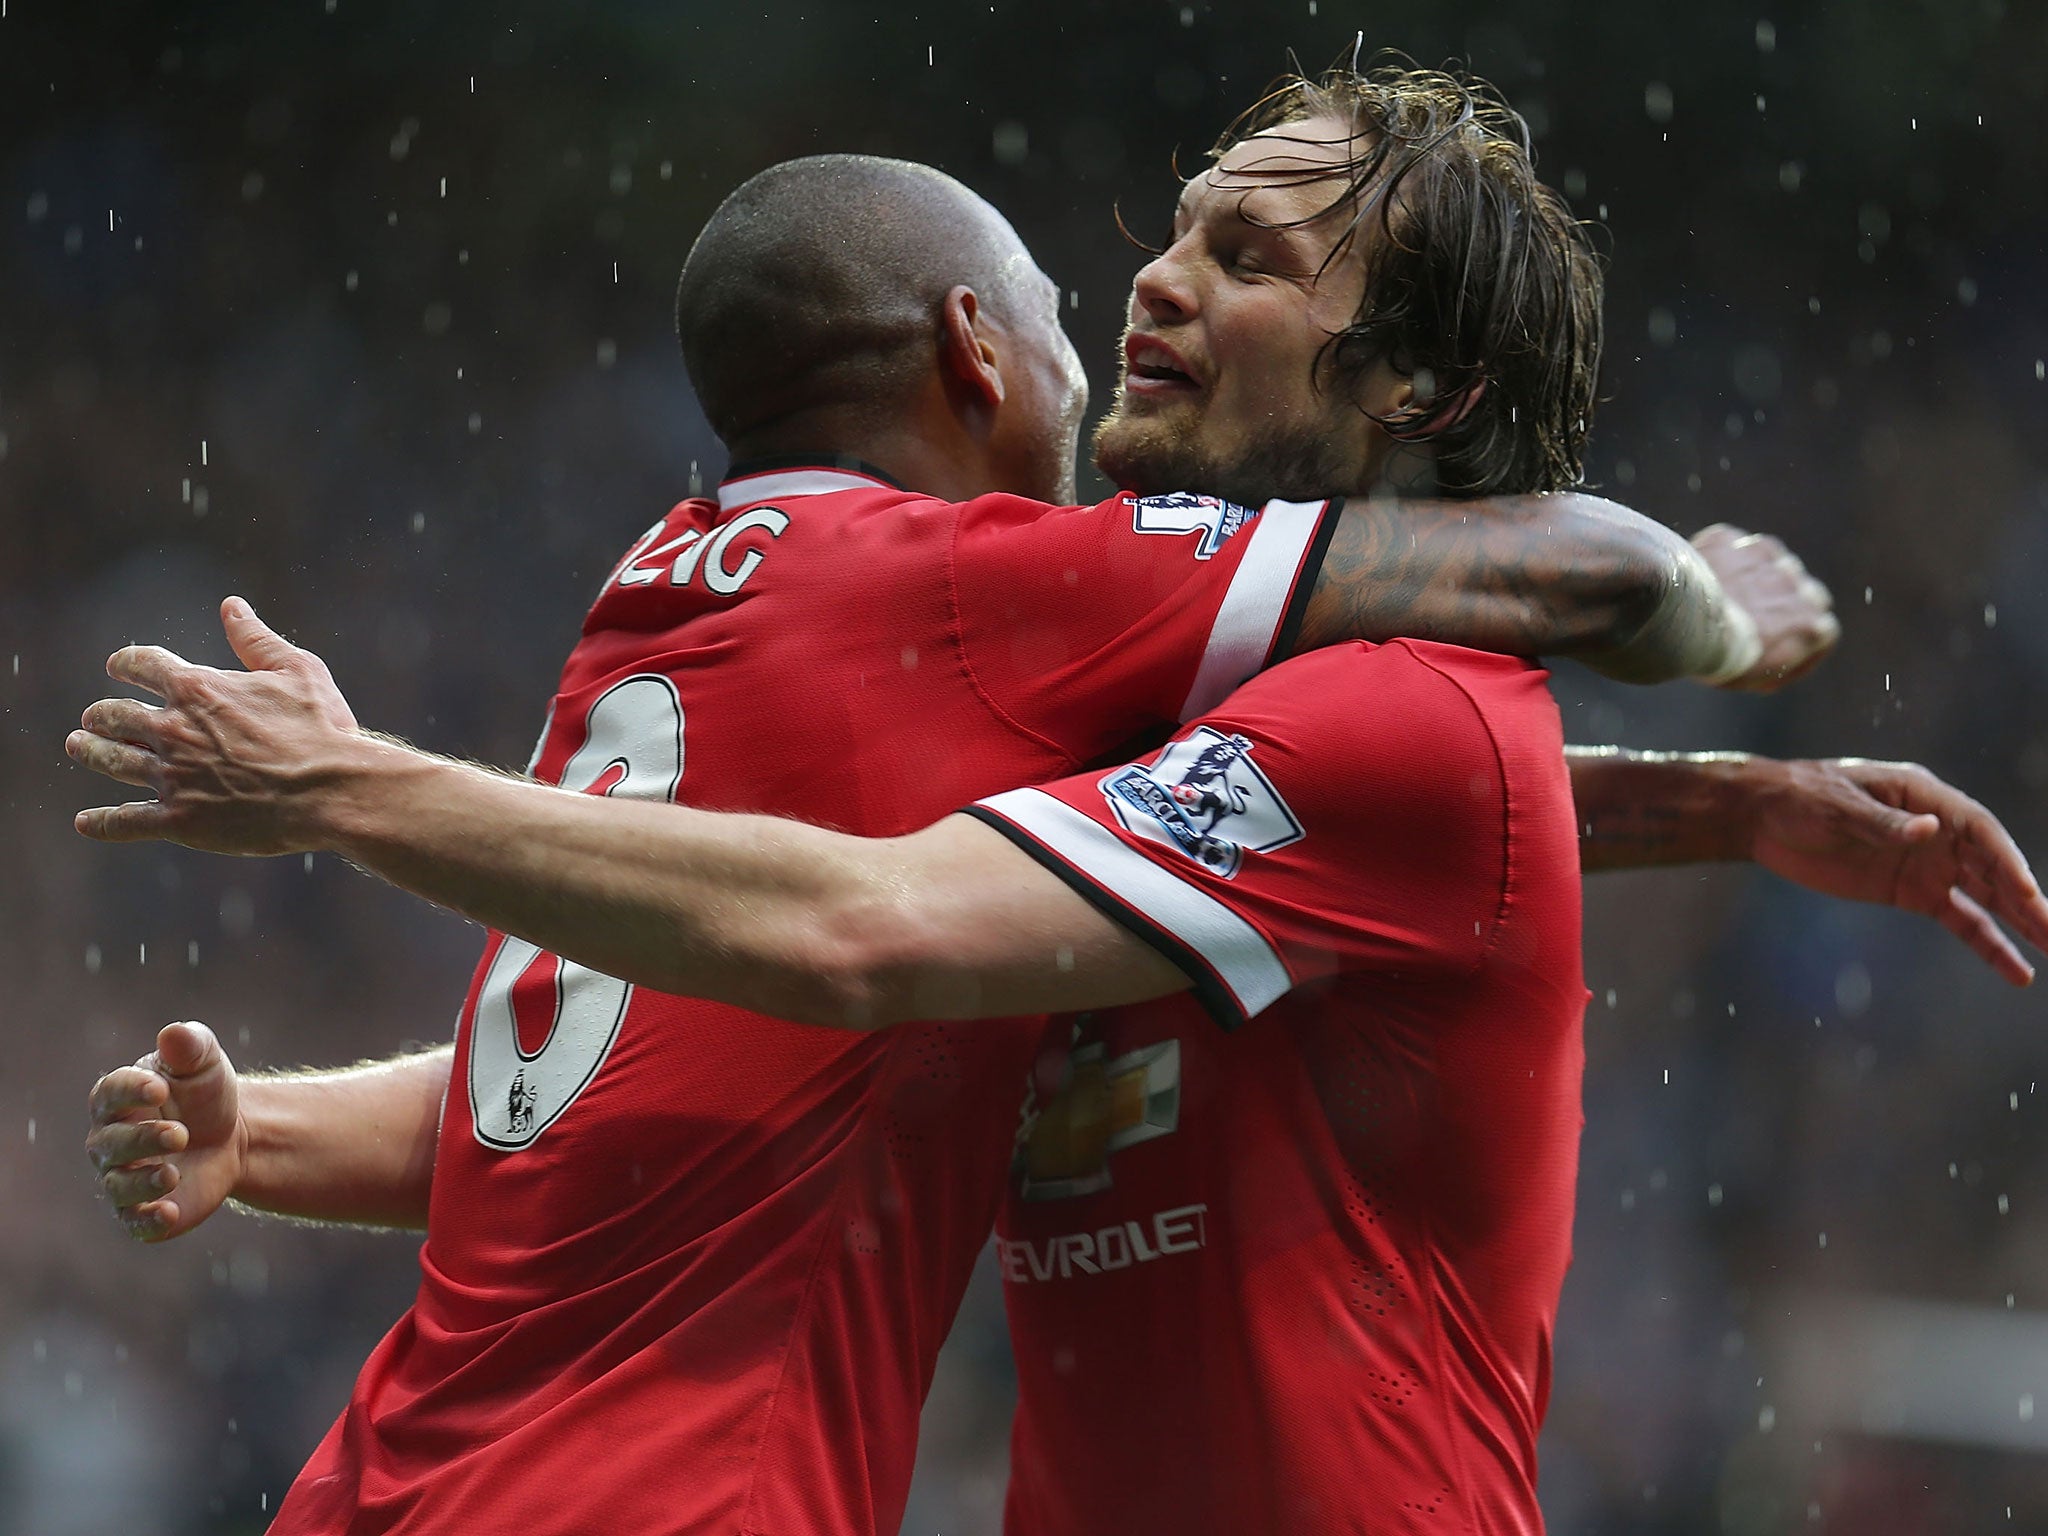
(1154, 454)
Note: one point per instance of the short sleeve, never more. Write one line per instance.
(1091, 626)
(1345, 812)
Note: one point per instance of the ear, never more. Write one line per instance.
(965, 353)
(1418, 411)
(1387, 393)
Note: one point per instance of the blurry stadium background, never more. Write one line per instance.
(361, 309)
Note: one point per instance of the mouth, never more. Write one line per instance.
(1153, 370)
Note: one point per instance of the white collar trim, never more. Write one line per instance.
(779, 484)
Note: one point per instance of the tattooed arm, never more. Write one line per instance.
(1571, 575)
(1890, 833)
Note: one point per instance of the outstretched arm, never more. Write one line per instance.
(1572, 575)
(1889, 833)
(180, 1132)
(772, 915)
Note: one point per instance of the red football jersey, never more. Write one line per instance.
(687, 1269)
(1300, 1273)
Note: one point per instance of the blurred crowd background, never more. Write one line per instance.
(361, 309)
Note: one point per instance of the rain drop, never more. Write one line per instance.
(1852, 990)
(1766, 37)
(1012, 143)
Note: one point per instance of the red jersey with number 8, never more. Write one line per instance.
(687, 1269)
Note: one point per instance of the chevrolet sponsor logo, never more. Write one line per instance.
(1140, 1241)
(1103, 1107)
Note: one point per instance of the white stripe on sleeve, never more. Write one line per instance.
(1250, 614)
(1234, 949)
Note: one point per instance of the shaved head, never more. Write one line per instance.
(818, 284)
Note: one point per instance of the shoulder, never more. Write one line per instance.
(1377, 693)
(1434, 738)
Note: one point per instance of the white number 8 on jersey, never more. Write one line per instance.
(632, 746)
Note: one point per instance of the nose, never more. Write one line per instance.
(1161, 289)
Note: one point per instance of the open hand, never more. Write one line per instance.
(1793, 613)
(230, 755)
(167, 1134)
(1894, 834)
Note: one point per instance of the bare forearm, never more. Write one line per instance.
(1560, 575)
(1642, 810)
(355, 1145)
(750, 910)
(769, 915)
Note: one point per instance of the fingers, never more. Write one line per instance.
(1974, 926)
(146, 666)
(136, 822)
(138, 1184)
(125, 1143)
(150, 1223)
(125, 720)
(117, 760)
(126, 1091)
(2009, 886)
(256, 645)
(1995, 871)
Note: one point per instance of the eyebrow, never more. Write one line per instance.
(1181, 210)
(1285, 235)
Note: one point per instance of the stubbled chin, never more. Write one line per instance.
(1150, 453)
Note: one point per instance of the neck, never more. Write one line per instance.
(1408, 470)
(918, 452)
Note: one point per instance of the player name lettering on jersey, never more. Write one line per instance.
(686, 555)
(1141, 1240)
